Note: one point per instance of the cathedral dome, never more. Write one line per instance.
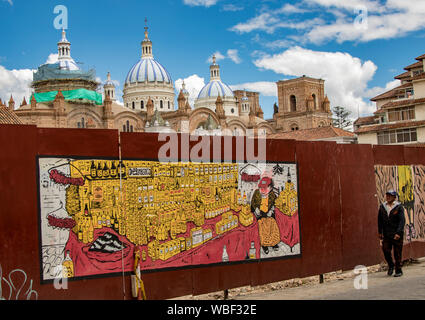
(148, 80)
(208, 95)
(148, 69)
(215, 88)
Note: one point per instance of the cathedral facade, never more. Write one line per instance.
(67, 97)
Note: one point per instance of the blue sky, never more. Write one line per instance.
(257, 42)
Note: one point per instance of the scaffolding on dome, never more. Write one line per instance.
(54, 72)
(78, 95)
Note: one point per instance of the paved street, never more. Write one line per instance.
(380, 286)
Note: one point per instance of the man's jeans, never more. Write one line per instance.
(387, 245)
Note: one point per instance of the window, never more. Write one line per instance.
(161, 105)
(294, 127)
(127, 127)
(293, 103)
(142, 104)
(314, 99)
(134, 105)
(399, 114)
(168, 104)
(81, 124)
(233, 110)
(397, 136)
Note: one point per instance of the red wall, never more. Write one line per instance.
(337, 206)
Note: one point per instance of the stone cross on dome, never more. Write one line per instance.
(146, 43)
(146, 28)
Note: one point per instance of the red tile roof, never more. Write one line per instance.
(365, 120)
(414, 65)
(403, 75)
(391, 93)
(387, 126)
(420, 57)
(312, 134)
(402, 103)
(8, 117)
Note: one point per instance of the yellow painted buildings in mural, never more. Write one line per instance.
(154, 201)
(287, 201)
(228, 222)
(246, 217)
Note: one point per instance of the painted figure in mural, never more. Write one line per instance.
(391, 222)
(263, 207)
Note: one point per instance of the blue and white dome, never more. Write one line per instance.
(215, 88)
(150, 70)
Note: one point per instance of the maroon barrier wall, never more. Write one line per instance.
(337, 206)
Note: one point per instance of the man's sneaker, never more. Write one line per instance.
(398, 273)
(390, 271)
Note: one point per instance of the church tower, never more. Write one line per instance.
(109, 88)
(302, 104)
(245, 105)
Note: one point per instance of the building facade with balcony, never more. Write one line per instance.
(400, 112)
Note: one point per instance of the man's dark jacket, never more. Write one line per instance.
(392, 224)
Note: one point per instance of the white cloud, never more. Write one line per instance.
(16, 83)
(265, 88)
(9, 1)
(289, 8)
(233, 55)
(373, 92)
(278, 44)
(232, 7)
(346, 20)
(193, 85)
(218, 57)
(52, 58)
(346, 77)
(202, 3)
(270, 20)
(264, 22)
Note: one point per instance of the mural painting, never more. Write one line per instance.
(409, 182)
(96, 215)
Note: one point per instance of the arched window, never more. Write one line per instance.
(294, 127)
(161, 105)
(81, 124)
(293, 103)
(168, 104)
(315, 101)
(142, 104)
(134, 105)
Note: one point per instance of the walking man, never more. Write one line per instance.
(390, 228)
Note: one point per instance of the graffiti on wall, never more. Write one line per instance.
(95, 214)
(15, 286)
(409, 182)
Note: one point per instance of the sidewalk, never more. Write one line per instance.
(336, 286)
(411, 286)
